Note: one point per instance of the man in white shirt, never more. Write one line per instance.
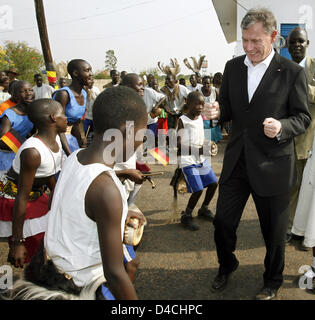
(176, 95)
(42, 90)
(266, 97)
(153, 100)
(4, 94)
(115, 75)
(298, 44)
(194, 85)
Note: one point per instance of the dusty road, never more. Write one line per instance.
(180, 264)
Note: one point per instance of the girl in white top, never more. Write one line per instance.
(37, 162)
(197, 171)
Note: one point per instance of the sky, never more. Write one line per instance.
(141, 32)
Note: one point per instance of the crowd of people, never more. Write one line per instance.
(66, 196)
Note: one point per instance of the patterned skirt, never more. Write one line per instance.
(36, 217)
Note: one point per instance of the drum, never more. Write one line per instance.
(132, 236)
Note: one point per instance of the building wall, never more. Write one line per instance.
(285, 11)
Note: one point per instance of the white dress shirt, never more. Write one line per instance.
(151, 98)
(303, 63)
(44, 91)
(256, 73)
(196, 88)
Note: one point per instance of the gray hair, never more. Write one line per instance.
(260, 15)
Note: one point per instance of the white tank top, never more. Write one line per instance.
(71, 239)
(193, 136)
(50, 162)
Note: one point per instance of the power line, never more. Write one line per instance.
(105, 13)
(84, 18)
(141, 30)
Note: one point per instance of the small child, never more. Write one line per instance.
(23, 203)
(197, 171)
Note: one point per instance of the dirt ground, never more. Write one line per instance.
(180, 264)
(177, 264)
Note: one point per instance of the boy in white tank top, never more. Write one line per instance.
(89, 208)
(197, 171)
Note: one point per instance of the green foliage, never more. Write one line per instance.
(110, 60)
(154, 71)
(25, 59)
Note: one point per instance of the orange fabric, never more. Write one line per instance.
(6, 105)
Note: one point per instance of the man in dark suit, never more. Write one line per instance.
(266, 97)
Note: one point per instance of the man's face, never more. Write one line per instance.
(155, 85)
(3, 76)
(170, 81)
(85, 73)
(137, 85)
(297, 45)
(193, 80)
(257, 43)
(39, 81)
(5, 84)
(115, 77)
(62, 83)
(197, 106)
(11, 75)
(123, 73)
(150, 80)
(25, 93)
(206, 83)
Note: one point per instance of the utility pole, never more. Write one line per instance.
(42, 29)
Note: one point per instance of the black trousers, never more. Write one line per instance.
(273, 215)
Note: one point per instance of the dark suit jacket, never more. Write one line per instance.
(283, 95)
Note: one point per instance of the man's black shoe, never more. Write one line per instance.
(267, 294)
(187, 222)
(288, 238)
(221, 280)
(297, 238)
(205, 213)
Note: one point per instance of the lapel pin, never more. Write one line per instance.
(279, 70)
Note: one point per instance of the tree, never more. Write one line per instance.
(25, 59)
(110, 60)
(154, 71)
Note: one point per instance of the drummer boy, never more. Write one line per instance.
(89, 207)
